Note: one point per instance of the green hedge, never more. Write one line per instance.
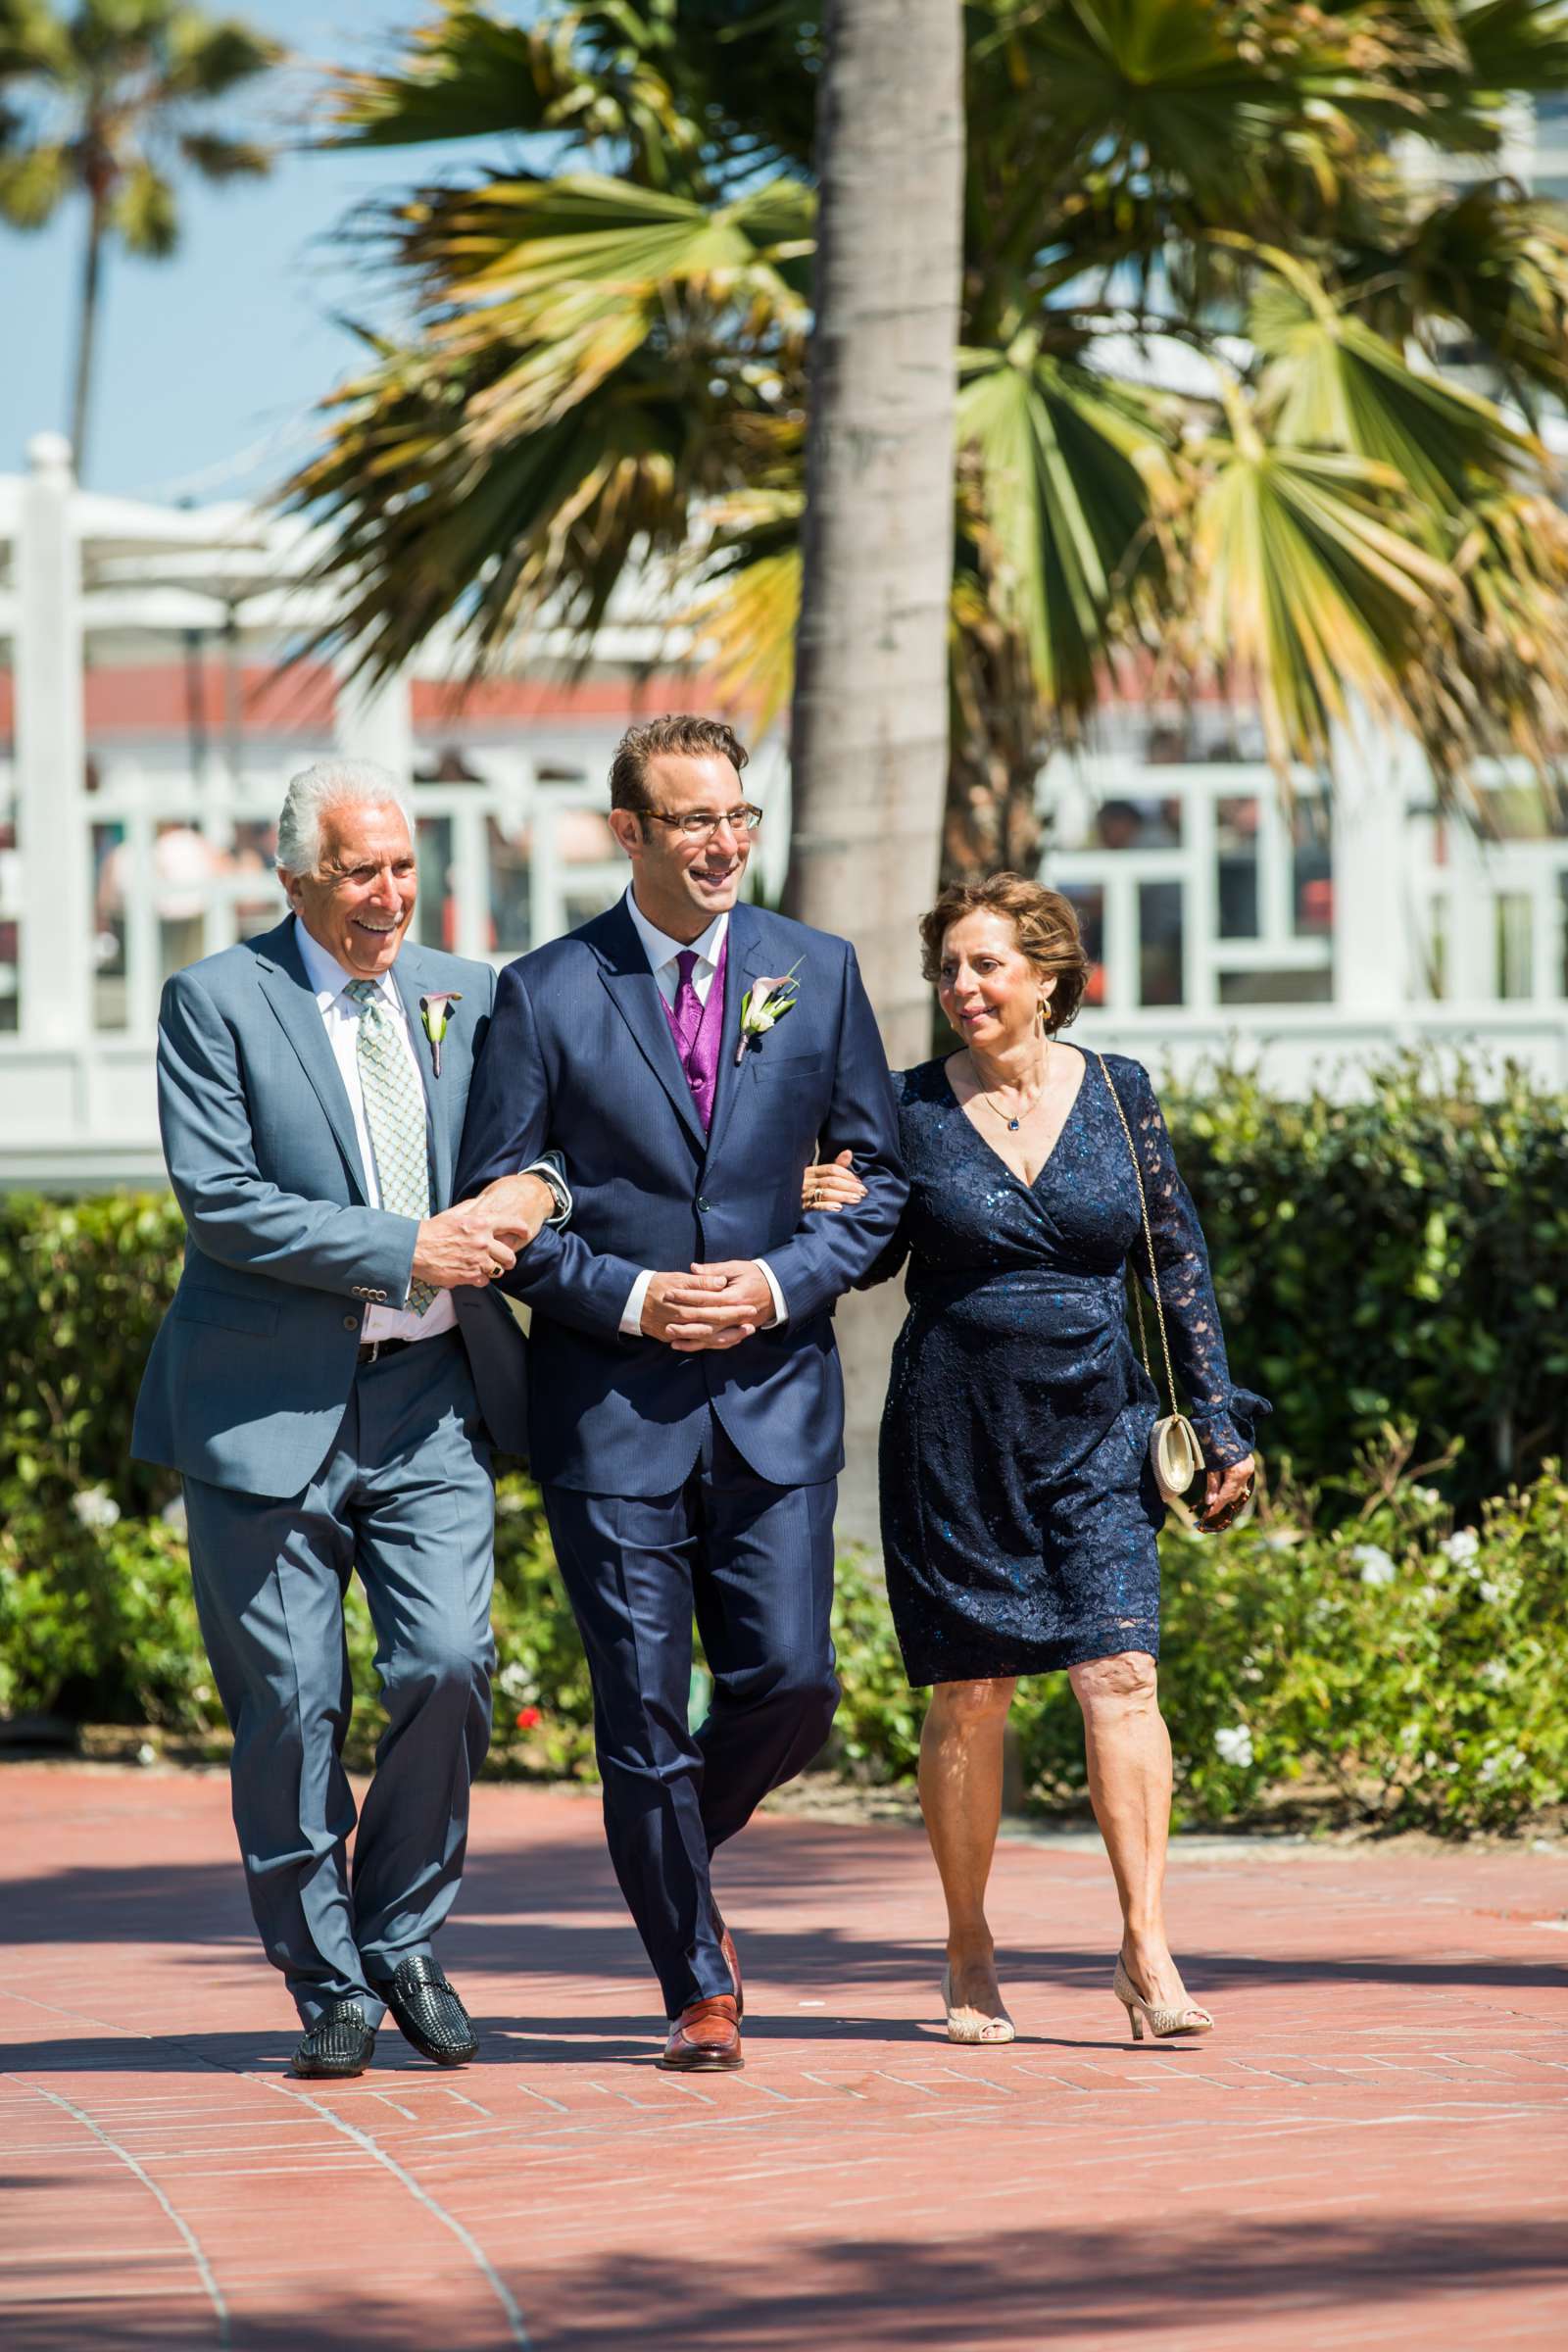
(1386, 1665)
(83, 1285)
(1403, 1256)
(1399, 1259)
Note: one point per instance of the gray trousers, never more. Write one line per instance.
(406, 1497)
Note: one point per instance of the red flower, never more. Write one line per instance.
(528, 1718)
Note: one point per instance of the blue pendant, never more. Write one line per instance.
(1013, 1126)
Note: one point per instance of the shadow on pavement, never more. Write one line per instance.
(554, 1910)
(1033, 2284)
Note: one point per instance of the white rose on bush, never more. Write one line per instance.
(1235, 1745)
(1462, 1546)
(1376, 1567)
(96, 1507)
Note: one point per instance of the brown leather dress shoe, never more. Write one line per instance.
(705, 2037)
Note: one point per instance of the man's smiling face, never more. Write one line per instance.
(681, 883)
(358, 904)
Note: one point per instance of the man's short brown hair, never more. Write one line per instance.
(680, 732)
(1045, 926)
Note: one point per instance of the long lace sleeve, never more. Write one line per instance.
(1223, 1415)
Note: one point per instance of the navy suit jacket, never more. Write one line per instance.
(250, 1373)
(581, 1059)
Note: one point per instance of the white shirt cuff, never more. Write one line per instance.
(632, 1319)
(781, 1312)
(554, 1169)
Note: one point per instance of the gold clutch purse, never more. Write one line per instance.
(1176, 1456)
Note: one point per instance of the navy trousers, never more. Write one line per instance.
(754, 1563)
(406, 1497)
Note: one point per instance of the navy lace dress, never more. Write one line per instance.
(1018, 1507)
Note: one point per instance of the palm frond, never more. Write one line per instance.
(145, 214)
(208, 57)
(1489, 260)
(524, 242)
(749, 598)
(1513, 45)
(1331, 381)
(1065, 469)
(32, 183)
(1309, 581)
(1497, 681)
(220, 159)
(33, 40)
(596, 75)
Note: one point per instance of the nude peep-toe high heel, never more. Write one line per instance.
(967, 2024)
(1165, 2025)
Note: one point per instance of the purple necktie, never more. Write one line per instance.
(696, 1028)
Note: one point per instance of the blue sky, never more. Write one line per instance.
(209, 364)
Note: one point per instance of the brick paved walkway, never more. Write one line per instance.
(1372, 2150)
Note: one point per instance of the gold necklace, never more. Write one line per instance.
(1013, 1125)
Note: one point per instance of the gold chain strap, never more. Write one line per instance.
(1149, 1244)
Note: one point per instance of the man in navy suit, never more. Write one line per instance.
(685, 1403)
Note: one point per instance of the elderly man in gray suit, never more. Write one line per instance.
(329, 1381)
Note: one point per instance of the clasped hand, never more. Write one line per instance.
(475, 1241)
(708, 1306)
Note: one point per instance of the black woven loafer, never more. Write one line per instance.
(339, 2043)
(430, 2014)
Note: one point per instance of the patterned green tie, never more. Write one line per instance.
(394, 1113)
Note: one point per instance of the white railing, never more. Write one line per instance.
(1314, 932)
(179, 868)
(1222, 920)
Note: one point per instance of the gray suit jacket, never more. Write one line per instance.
(251, 1371)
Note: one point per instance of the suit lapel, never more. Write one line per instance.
(746, 961)
(634, 993)
(289, 993)
(409, 975)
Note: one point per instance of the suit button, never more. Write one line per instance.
(351, 1322)
(703, 1203)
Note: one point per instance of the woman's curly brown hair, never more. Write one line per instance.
(1045, 926)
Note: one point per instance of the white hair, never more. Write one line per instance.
(331, 784)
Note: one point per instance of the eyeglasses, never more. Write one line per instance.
(701, 824)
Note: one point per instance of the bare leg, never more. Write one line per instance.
(1128, 1752)
(960, 1796)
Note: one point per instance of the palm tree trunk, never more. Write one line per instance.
(87, 336)
(871, 712)
(999, 744)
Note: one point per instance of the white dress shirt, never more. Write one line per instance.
(662, 954)
(342, 1014)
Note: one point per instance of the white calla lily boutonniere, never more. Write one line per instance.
(434, 1010)
(765, 1003)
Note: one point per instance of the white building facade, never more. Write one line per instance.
(147, 734)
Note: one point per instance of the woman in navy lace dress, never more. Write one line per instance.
(1019, 1509)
